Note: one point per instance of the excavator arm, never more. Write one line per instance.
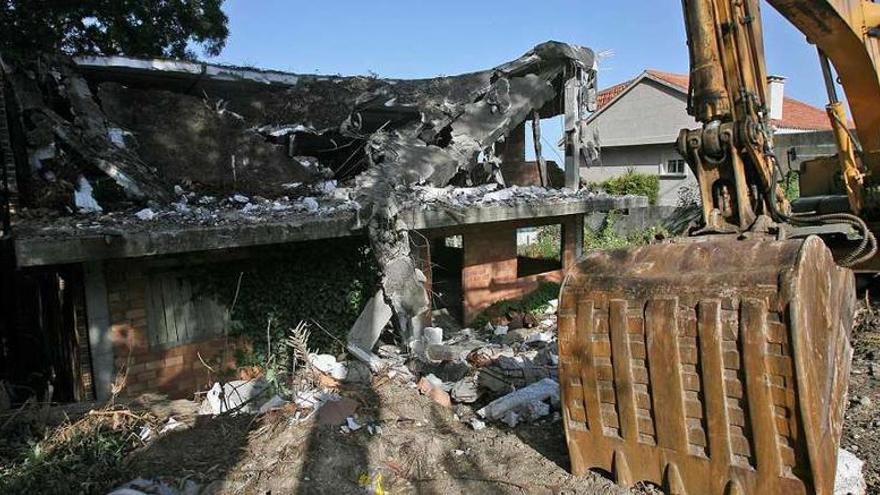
(718, 363)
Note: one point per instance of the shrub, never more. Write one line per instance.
(634, 183)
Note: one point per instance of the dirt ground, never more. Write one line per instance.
(422, 449)
(861, 428)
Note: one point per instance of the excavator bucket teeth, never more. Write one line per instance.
(708, 367)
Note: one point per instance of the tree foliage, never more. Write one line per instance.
(137, 28)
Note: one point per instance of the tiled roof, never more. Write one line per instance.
(795, 113)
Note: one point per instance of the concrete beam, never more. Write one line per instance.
(440, 218)
(62, 248)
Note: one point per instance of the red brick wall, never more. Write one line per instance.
(490, 263)
(176, 371)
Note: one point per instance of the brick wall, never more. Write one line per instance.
(176, 371)
(490, 263)
(521, 173)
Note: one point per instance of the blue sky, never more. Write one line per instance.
(417, 38)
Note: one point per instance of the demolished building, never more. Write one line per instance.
(119, 173)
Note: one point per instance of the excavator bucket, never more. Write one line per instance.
(714, 367)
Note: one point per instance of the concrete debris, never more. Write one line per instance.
(352, 425)
(477, 425)
(311, 205)
(146, 214)
(370, 323)
(540, 337)
(432, 335)
(521, 400)
(314, 398)
(500, 330)
(466, 391)
(84, 199)
(328, 365)
(850, 478)
(145, 434)
(375, 363)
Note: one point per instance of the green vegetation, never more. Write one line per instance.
(548, 245)
(86, 456)
(326, 284)
(606, 237)
(633, 183)
(791, 185)
(536, 302)
(136, 28)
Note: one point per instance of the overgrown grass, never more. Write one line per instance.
(86, 456)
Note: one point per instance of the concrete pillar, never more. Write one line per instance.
(572, 131)
(98, 319)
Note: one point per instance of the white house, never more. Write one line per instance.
(637, 123)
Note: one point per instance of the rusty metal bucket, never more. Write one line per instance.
(716, 367)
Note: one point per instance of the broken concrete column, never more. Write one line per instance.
(572, 129)
(366, 330)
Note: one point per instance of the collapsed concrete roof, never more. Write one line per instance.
(290, 156)
(134, 129)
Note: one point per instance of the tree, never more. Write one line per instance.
(137, 28)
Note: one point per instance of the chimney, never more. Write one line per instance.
(776, 84)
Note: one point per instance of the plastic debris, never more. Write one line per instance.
(371, 482)
(478, 425)
(327, 364)
(239, 395)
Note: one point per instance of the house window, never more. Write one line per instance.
(674, 167)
